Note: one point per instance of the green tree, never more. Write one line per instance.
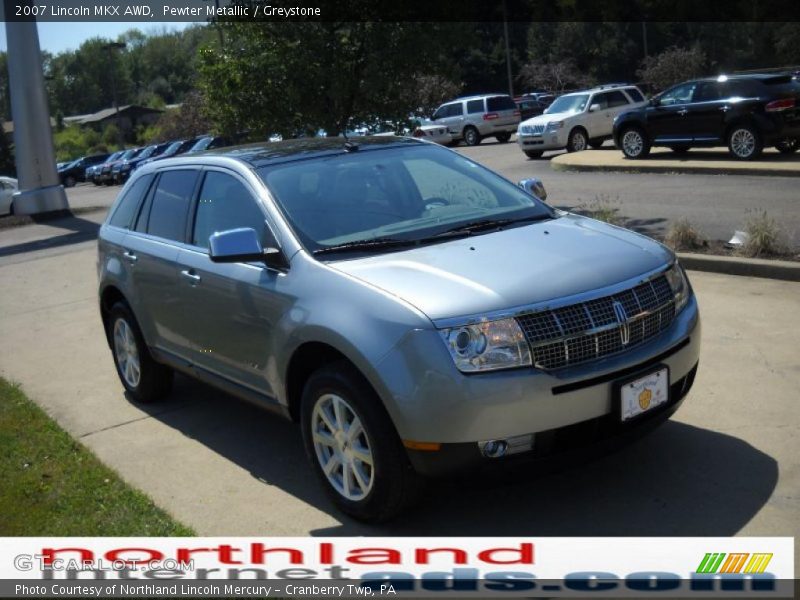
(672, 66)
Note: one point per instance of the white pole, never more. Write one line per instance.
(39, 185)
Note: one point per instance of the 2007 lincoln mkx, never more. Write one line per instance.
(417, 313)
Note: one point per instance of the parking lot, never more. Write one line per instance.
(726, 464)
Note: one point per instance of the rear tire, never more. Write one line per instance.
(578, 140)
(503, 138)
(143, 378)
(533, 153)
(471, 136)
(634, 143)
(744, 142)
(788, 146)
(336, 401)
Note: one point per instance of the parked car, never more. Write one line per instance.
(531, 106)
(175, 148)
(106, 174)
(744, 112)
(414, 311)
(577, 120)
(92, 173)
(8, 187)
(209, 142)
(75, 171)
(123, 169)
(474, 118)
(432, 132)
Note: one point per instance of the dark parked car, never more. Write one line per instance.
(531, 107)
(174, 149)
(106, 174)
(209, 142)
(744, 112)
(75, 171)
(122, 170)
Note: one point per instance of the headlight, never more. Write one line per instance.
(553, 125)
(679, 284)
(487, 346)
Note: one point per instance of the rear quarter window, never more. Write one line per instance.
(496, 103)
(474, 106)
(635, 95)
(129, 203)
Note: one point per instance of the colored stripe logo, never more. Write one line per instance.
(735, 562)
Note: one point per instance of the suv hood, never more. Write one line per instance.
(511, 268)
(544, 119)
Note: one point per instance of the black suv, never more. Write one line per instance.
(744, 112)
(75, 171)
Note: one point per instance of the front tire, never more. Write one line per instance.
(69, 181)
(143, 378)
(634, 143)
(353, 446)
(578, 140)
(533, 153)
(503, 138)
(788, 146)
(471, 136)
(744, 142)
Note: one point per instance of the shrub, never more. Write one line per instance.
(603, 209)
(764, 236)
(683, 236)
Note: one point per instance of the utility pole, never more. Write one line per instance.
(508, 51)
(40, 190)
(644, 37)
(111, 46)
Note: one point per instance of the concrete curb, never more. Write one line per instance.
(749, 267)
(564, 162)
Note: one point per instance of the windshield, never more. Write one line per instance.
(401, 193)
(568, 104)
(147, 152)
(129, 154)
(173, 148)
(200, 145)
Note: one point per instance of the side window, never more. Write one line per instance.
(706, 91)
(601, 99)
(635, 94)
(740, 88)
(497, 103)
(615, 99)
(455, 110)
(129, 204)
(474, 106)
(678, 95)
(170, 204)
(225, 203)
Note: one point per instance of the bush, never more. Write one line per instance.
(603, 209)
(683, 236)
(672, 66)
(74, 141)
(764, 237)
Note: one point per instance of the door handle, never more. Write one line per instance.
(191, 275)
(682, 112)
(130, 256)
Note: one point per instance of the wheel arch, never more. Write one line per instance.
(110, 295)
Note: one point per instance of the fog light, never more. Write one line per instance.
(493, 448)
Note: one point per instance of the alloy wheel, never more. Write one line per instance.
(743, 143)
(632, 142)
(342, 447)
(127, 353)
(579, 141)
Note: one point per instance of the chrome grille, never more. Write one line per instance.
(590, 330)
(532, 129)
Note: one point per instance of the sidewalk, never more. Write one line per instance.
(727, 464)
(663, 160)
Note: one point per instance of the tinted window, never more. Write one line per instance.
(706, 91)
(170, 205)
(474, 106)
(454, 110)
(496, 103)
(225, 203)
(741, 89)
(635, 95)
(599, 99)
(678, 95)
(616, 98)
(129, 204)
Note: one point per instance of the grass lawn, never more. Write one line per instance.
(52, 485)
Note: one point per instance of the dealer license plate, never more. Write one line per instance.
(644, 394)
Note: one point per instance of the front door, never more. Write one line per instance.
(667, 118)
(706, 117)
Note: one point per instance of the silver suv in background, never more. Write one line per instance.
(578, 120)
(416, 313)
(474, 118)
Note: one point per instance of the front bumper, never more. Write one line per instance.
(549, 140)
(429, 400)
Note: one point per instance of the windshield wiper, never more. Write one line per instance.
(374, 244)
(490, 224)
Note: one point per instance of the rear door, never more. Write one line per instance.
(706, 118)
(152, 252)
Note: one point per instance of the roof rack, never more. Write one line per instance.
(606, 86)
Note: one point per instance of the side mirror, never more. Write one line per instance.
(594, 108)
(242, 245)
(535, 187)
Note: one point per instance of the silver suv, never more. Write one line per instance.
(476, 117)
(415, 312)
